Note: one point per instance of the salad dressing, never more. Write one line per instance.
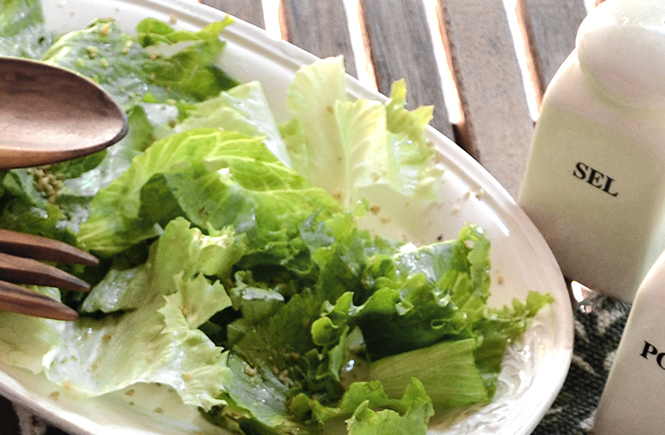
(594, 185)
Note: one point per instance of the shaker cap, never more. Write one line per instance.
(621, 47)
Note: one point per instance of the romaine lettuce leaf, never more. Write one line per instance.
(157, 65)
(212, 177)
(447, 369)
(104, 53)
(255, 404)
(27, 209)
(243, 108)
(183, 62)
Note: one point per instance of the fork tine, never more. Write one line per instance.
(28, 271)
(42, 248)
(21, 267)
(17, 299)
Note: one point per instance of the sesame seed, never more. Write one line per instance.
(92, 52)
(250, 371)
(105, 29)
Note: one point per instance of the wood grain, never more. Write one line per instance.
(247, 10)
(401, 47)
(320, 27)
(551, 27)
(497, 128)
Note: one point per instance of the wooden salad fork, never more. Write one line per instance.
(18, 265)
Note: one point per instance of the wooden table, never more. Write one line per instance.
(483, 64)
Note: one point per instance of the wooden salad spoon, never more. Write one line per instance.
(49, 114)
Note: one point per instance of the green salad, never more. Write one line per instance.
(233, 268)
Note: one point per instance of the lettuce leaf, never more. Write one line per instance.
(183, 62)
(347, 147)
(22, 29)
(243, 108)
(447, 369)
(156, 65)
(371, 410)
(212, 177)
(89, 51)
(45, 337)
(155, 338)
(412, 421)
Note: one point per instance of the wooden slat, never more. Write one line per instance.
(497, 128)
(551, 26)
(247, 10)
(401, 48)
(320, 27)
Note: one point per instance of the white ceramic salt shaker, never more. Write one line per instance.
(632, 401)
(595, 181)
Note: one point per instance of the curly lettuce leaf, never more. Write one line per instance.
(157, 338)
(418, 296)
(370, 410)
(499, 328)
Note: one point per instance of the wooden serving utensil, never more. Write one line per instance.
(49, 114)
(18, 265)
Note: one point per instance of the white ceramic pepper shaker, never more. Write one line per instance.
(595, 181)
(632, 401)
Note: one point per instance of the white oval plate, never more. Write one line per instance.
(534, 368)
